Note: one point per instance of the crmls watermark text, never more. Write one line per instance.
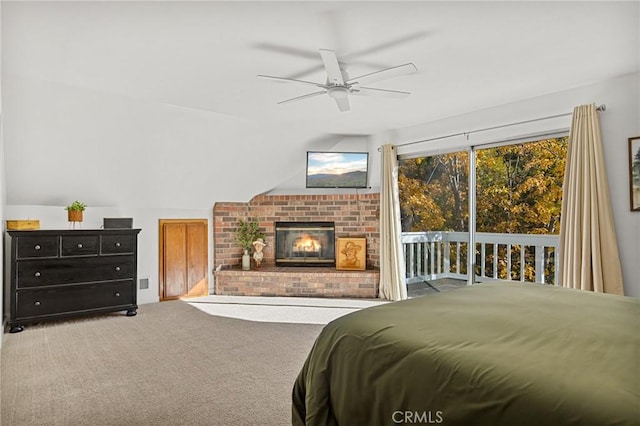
(417, 417)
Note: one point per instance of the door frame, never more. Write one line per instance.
(161, 277)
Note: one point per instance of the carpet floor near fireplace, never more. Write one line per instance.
(172, 364)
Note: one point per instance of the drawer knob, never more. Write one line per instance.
(117, 268)
(79, 245)
(37, 274)
(36, 303)
(117, 244)
(117, 294)
(37, 247)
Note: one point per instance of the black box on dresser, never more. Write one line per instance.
(52, 274)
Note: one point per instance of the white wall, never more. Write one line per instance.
(55, 217)
(105, 149)
(620, 122)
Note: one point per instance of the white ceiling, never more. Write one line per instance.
(204, 56)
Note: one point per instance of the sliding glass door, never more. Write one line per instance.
(511, 215)
(434, 204)
(518, 203)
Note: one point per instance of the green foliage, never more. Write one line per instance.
(76, 206)
(248, 231)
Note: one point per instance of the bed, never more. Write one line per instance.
(489, 354)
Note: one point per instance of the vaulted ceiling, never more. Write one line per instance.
(195, 65)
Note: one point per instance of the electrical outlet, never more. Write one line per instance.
(143, 283)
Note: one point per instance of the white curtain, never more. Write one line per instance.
(588, 248)
(392, 268)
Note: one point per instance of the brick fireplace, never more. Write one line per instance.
(353, 215)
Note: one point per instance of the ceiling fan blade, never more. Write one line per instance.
(343, 104)
(385, 45)
(371, 91)
(287, 50)
(299, 98)
(384, 74)
(290, 80)
(331, 65)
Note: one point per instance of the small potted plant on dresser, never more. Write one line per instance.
(75, 211)
(248, 231)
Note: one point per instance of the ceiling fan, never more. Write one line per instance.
(339, 89)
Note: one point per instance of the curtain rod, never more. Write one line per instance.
(602, 107)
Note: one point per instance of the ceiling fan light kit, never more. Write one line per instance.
(339, 90)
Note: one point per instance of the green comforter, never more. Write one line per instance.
(490, 354)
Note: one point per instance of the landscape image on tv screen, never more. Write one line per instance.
(337, 169)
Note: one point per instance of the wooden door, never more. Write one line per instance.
(183, 258)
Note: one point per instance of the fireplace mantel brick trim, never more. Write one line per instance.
(354, 215)
(305, 282)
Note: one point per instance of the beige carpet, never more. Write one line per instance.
(172, 364)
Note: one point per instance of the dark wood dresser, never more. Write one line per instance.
(55, 273)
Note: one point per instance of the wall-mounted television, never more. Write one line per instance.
(327, 169)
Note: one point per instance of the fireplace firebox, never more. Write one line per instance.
(305, 244)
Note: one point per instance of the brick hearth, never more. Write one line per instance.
(306, 282)
(354, 215)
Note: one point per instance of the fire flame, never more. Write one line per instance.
(306, 243)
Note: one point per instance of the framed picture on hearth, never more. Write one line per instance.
(351, 254)
(634, 172)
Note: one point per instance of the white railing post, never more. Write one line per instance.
(495, 260)
(509, 261)
(435, 248)
(556, 265)
(522, 265)
(412, 262)
(483, 257)
(539, 256)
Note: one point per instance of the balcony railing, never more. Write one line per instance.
(516, 257)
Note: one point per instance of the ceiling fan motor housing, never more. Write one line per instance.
(338, 92)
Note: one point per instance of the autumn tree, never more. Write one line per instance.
(519, 189)
(433, 193)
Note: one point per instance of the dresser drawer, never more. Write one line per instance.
(114, 244)
(39, 246)
(74, 299)
(46, 272)
(79, 245)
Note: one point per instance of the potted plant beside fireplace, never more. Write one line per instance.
(248, 231)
